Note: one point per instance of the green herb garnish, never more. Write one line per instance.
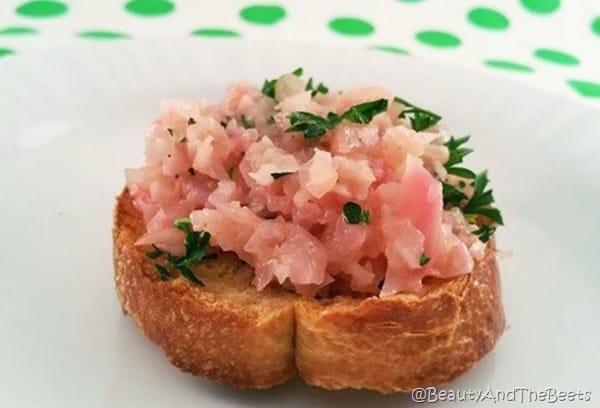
(268, 87)
(163, 272)
(312, 125)
(364, 112)
(281, 174)
(452, 195)
(479, 203)
(485, 232)
(183, 224)
(155, 253)
(321, 88)
(246, 123)
(420, 119)
(424, 260)
(196, 243)
(354, 214)
(456, 155)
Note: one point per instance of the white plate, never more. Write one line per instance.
(71, 120)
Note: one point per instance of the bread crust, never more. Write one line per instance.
(230, 333)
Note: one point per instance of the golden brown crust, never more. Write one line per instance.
(225, 331)
(230, 333)
(404, 341)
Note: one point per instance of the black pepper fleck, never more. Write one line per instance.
(192, 171)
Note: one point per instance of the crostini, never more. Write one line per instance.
(290, 229)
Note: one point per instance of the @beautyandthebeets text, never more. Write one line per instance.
(519, 395)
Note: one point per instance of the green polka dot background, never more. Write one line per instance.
(215, 32)
(541, 6)
(596, 26)
(556, 57)
(42, 9)
(351, 26)
(5, 51)
(586, 88)
(263, 14)
(529, 40)
(487, 18)
(17, 31)
(150, 8)
(102, 35)
(508, 65)
(438, 39)
(391, 49)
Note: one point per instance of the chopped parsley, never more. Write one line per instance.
(485, 232)
(163, 272)
(281, 174)
(320, 88)
(456, 155)
(479, 204)
(268, 87)
(354, 214)
(312, 125)
(246, 123)
(420, 119)
(453, 196)
(196, 244)
(155, 253)
(364, 112)
(424, 260)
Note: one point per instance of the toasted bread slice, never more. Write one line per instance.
(231, 333)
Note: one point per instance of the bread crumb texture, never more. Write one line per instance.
(232, 334)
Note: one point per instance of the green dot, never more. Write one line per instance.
(488, 18)
(42, 9)
(5, 51)
(391, 49)
(586, 88)
(439, 39)
(351, 26)
(409, 1)
(508, 65)
(264, 14)
(150, 8)
(556, 57)
(541, 6)
(17, 31)
(215, 32)
(102, 35)
(596, 26)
